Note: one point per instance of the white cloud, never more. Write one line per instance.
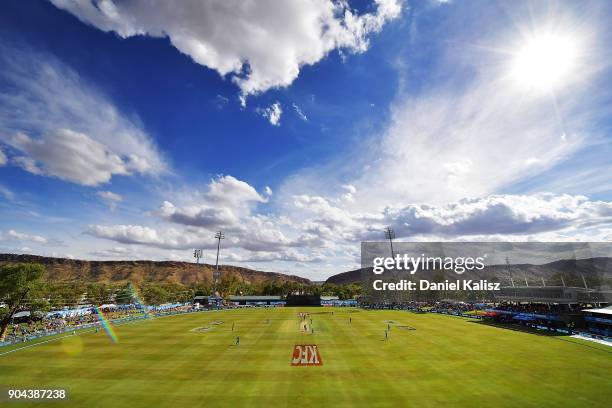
(259, 237)
(299, 112)
(326, 218)
(272, 113)
(221, 101)
(282, 256)
(227, 204)
(141, 235)
(224, 203)
(6, 193)
(500, 215)
(115, 253)
(350, 191)
(200, 216)
(311, 224)
(494, 216)
(447, 145)
(110, 198)
(3, 158)
(261, 44)
(230, 190)
(12, 235)
(70, 156)
(59, 125)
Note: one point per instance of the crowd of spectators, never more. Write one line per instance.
(172, 309)
(445, 307)
(538, 308)
(39, 325)
(36, 326)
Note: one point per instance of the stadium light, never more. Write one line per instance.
(509, 271)
(584, 281)
(216, 274)
(390, 235)
(197, 254)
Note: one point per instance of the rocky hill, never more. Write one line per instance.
(61, 269)
(346, 278)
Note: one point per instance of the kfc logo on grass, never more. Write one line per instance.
(306, 355)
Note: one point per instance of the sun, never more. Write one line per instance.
(545, 62)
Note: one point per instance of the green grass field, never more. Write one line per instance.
(446, 361)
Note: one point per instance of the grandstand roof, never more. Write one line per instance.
(603, 310)
(329, 298)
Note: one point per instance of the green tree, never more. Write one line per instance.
(99, 293)
(229, 285)
(154, 294)
(17, 284)
(124, 295)
(177, 292)
(201, 289)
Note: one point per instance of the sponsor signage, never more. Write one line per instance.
(306, 355)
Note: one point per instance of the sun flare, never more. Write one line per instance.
(545, 62)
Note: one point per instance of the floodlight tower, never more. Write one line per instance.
(584, 281)
(216, 274)
(197, 254)
(509, 271)
(390, 235)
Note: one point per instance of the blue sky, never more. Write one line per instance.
(300, 128)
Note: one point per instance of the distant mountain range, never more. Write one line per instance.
(62, 269)
(596, 271)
